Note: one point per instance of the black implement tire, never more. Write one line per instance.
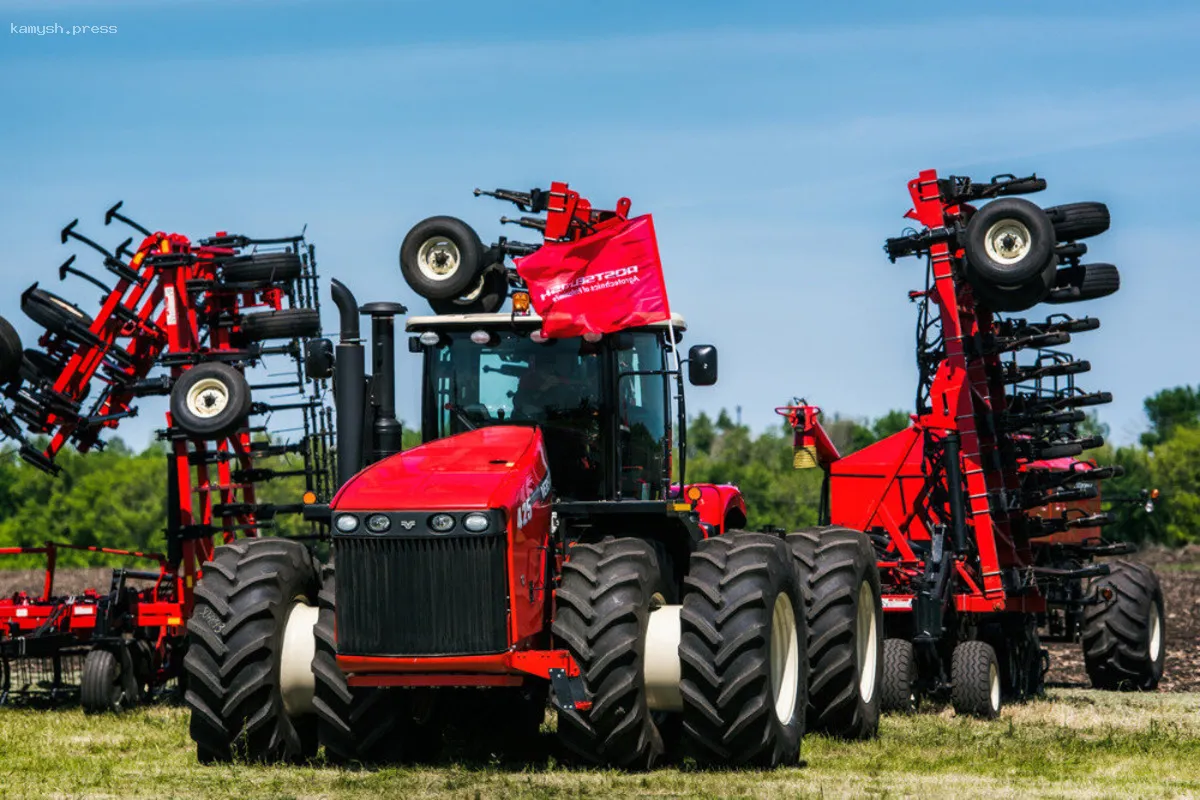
(1092, 281)
(897, 686)
(235, 645)
(604, 601)
(486, 296)
(38, 366)
(1121, 650)
(441, 257)
(975, 679)
(1008, 242)
(840, 577)
(11, 352)
(1074, 221)
(1018, 298)
(743, 671)
(210, 400)
(290, 323)
(257, 267)
(51, 311)
(102, 686)
(359, 725)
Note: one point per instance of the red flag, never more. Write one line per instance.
(604, 282)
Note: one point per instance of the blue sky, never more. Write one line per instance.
(771, 141)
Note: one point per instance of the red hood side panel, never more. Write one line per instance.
(477, 469)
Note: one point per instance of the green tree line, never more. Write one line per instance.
(116, 497)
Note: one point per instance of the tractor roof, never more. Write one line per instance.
(507, 320)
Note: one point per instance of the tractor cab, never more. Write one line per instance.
(604, 407)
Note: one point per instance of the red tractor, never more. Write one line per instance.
(535, 548)
(985, 521)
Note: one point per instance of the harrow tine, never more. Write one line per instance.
(112, 214)
(66, 269)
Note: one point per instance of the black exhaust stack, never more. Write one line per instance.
(387, 430)
(349, 381)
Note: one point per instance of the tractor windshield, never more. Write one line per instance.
(603, 409)
(513, 380)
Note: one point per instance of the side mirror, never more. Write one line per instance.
(318, 359)
(702, 365)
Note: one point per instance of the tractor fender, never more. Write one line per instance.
(721, 506)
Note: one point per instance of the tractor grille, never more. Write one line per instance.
(421, 595)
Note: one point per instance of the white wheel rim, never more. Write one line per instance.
(1155, 632)
(994, 686)
(1007, 242)
(866, 643)
(438, 259)
(297, 684)
(208, 398)
(785, 659)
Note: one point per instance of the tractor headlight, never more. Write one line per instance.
(346, 523)
(475, 522)
(379, 523)
(441, 523)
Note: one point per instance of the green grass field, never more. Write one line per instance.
(1076, 743)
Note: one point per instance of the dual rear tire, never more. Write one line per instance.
(741, 650)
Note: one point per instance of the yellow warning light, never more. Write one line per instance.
(174, 621)
(1154, 494)
(520, 301)
(309, 498)
(693, 493)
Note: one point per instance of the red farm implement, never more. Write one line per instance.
(985, 521)
(534, 549)
(109, 648)
(184, 320)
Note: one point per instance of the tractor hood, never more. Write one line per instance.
(485, 468)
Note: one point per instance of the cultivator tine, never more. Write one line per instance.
(112, 214)
(525, 222)
(66, 269)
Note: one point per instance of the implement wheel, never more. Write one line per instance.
(250, 646)
(742, 655)
(102, 685)
(1124, 631)
(975, 674)
(604, 601)
(840, 579)
(441, 258)
(897, 688)
(1008, 242)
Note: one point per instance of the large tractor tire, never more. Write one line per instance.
(441, 258)
(250, 632)
(607, 592)
(742, 658)
(975, 680)
(840, 579)
(898, 684)
(354, 725)
(1124, 631)
(1008, 242)
(11, 352)
(210, 400)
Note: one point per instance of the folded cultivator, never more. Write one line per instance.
(985, 520)
(184, 320)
